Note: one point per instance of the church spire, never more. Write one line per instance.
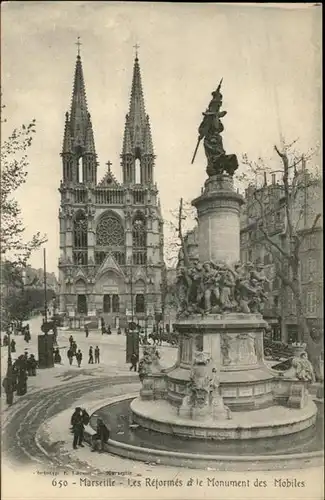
(79, 108)
(78, 133)
(137, 141)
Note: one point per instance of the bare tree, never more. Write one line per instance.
(179, 223)
(286, 249)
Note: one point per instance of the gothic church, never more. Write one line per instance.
(111, 234)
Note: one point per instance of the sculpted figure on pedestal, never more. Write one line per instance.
(303, 369)
(210, 130)
(149, 363)
(215, 287)
(215, 398)
(199, 385)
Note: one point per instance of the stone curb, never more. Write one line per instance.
(201, 461)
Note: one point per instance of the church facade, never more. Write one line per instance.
(111, 262)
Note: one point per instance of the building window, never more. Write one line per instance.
(311, 302)
(137, 171)
(109, 231)
(119, 257)
(99, 257)
(139, 303)
(107, 304)
(115, 304)
(312, 267)
(139, 240)
(80, 172)
(80, 239)
(82, 304)
(292, 332)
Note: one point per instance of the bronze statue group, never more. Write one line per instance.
(216, 287)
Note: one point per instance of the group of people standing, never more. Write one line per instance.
(73, 351)
(23, 367)
(79, 420)
(91, 355)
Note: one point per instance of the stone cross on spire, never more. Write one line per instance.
(136, 47)
(109, 164)
(78, 43)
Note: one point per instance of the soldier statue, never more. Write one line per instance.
(210, 130)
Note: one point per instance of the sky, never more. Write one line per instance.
(268, 55)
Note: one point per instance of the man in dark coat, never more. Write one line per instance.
(86, 331)
(101, 437)
(91, 357)
(12, 345)
(74, 347)
(134, 362)
(70, 355)
(85, 417)
(77, 428)
(96, 354)
(57, 356)
(79, 358)
(31, 366)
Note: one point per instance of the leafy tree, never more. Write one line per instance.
(14, 171)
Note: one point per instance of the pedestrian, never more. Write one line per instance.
(57, 356)
(79, 357)
(6, 340)
(119, 331)
(31, 366)
(109, 331)
(74, 347)
(102, 325)
(101, 437)
(134, 361)
(91, 357)
(96, 354)
(12, 345)
(86, 331)
(77, 428)
(74, 416)
(70, 355)
(70, 340)
(25, 359)
(22, 382)
(85, 416)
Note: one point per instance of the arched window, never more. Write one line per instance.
(107, 304)
(139, 240)
(80, 170)
(137, 168)
(110, 232)
(80, 239)
(115, 304)
(139, 303)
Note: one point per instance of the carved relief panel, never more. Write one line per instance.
(238, 349)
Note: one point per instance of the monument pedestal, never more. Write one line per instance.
(220, 387)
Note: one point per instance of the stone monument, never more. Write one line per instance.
(220, 386)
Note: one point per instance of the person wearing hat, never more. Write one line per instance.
(77, 428)
(101, 437)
